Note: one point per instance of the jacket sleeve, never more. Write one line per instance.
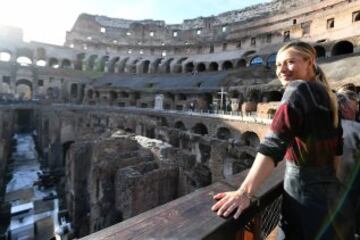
(281, 133)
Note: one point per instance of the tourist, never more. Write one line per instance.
(349, 172)
(306, 133)
(352, 88)
(347, 87)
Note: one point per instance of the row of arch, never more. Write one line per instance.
(24, 90)
(248, 138)
(159, 65)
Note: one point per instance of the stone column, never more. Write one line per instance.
(235, 104)
(159, 102)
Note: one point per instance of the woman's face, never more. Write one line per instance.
(291, 65)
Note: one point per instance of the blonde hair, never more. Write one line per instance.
(309, 53)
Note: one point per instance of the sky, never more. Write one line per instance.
(47, 21)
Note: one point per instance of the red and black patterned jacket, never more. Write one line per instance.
(302, 130)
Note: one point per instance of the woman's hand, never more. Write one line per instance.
(229, 202)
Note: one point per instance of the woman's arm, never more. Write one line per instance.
(240, 199)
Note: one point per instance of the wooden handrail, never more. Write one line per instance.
(190, 217)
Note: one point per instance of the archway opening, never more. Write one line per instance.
(227, 65)
(343, 47)
(223, 133)
(24, 89)
(200, 128)
(213, 67)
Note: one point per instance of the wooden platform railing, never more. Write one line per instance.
(190, 217)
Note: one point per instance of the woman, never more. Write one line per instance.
(306, 133)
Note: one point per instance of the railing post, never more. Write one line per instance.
(257, 227)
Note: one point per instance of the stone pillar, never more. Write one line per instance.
(235, 104)
(159, 102)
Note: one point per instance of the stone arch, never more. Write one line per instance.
(103, 64)
(320, 51)
(250, 139)
(257, 60)
(234, 94)
(167, 65)
(248, 53)
(90, 64)
(113, 96)
(271, 96)
(241, 63)
(112, 64)
(213, 67)
(155, 65)
(66, 63)
(178, 65)
(223, 133)
(342, 47)
(180, 125)
(169, 98)
(24, 61)
(41, 63)
(131, 67)
(189, 67)
(201, 67)
(227, 65)
(5, 55)
(122, 64)
(253, 95)
(271, 113)
(145, 65)
(53, 63)
(271, 60)
(200, 128)
(79, 61)
(356, 16)
(24, 89)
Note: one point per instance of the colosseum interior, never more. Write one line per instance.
(134, 119)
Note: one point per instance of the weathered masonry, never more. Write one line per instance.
(131, 115)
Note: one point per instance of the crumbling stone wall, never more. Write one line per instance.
(120, 172)
(181, 162)
(6, 131)
(143, 187)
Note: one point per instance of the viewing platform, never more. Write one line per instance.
(190, 217)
